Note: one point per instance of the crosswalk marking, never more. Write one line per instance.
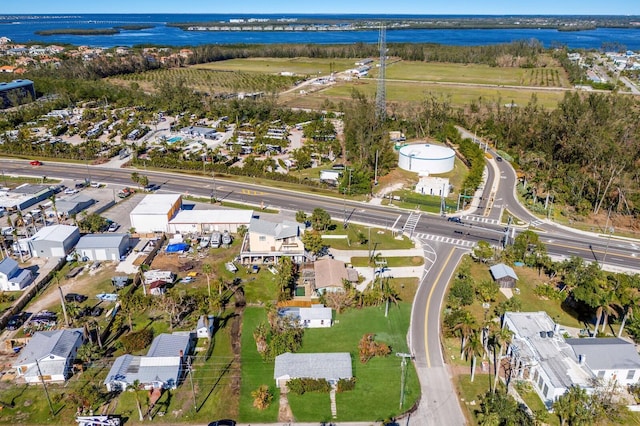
(448, 240)
(481, 219)
(537, 222)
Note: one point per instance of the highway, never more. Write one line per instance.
(444, 243)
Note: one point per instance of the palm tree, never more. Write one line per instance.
(388, 295)
(609, 307)
(502, 338)
(15, 241)
(134, 387)
(206, 270)
(464, 328)
(473, 349)
(630, 298)
(53, 206)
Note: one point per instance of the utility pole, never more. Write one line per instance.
(44, 385)
(344, 207)
(375, 173)
(64, 308)
(403, 374)
(193, 390)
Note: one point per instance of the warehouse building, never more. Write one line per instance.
(67, 207)
(206, 221)
(53, 241)
(103, 246)
(16, 92)
(154, 212)
(24, 196)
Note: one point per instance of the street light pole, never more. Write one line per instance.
(44, 385)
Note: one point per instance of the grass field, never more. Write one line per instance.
(476, 74)
(391, 261)
(380, 239)
(299, 66)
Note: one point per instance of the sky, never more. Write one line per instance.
(482, 7)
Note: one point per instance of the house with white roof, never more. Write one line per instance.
(540, 354)
(329, 366)
(207, 221)
(610, 359)
(154, 212)
(53, 241)
(12, 277)
(49, 355)
(268, 241)
(316, 316)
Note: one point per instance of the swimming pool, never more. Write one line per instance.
(174, 139)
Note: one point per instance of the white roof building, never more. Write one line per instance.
(154, 212)
(329, 366)
(12, 277)
(206, 221)
(540, 354)
(53, 241)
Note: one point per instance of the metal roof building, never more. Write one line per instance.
(610, 359)
(103, 246)
(329, 366)
(53, 241)
(16, 92)
(150, 372)
(206, 221)
(154, 212)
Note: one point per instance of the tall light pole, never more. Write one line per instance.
(403, 374)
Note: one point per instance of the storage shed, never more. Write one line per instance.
(103, 246)
(154, 212)
(504, 275)
(53, 241)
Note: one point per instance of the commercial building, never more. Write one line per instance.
(154, 212)
(24, 196)
(103, 246)
(53, 241)
(67, 207)
(16, 92)
(207, 221)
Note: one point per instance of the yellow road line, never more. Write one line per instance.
(628, 256)
(426, 315)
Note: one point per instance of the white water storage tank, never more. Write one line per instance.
(429, 158)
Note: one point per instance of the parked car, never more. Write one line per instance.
(15, 321)
(70, 191)
(97, 311)
(223, 422)
(187, 280)
(35, 163)
(113, 227)
(75, 297)
(455, 219)
(96, 184)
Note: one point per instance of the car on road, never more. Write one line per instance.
(455, 219)
(498, 159)
(223, 422)
(75, 297)
(35, 163)
(113, 227)
(151, 187)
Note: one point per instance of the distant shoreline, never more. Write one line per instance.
(93, 31)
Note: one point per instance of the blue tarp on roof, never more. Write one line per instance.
(174, 248)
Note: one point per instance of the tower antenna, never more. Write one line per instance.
(381, 95)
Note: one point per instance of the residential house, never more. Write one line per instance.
(266, 242)
(316, 316)
(329, 366)
(49, 355)
(539, 354)
(161, 368)
(205, 326)
(504, 275)
(610, 359)
(330, 276)
(12, 277)
(157, 288)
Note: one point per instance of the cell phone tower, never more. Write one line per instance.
(381, 94)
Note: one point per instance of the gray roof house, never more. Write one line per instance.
(504, 275)
(151, 372)
(161, 368)
(269, 241)
(12, 277)
(50, 355)
(53, 241)
(103, 246)
(205, 329)
(329, 366)
(610, 359)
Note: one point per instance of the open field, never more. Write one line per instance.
(415, 91)
(300, 66)
(476, 74)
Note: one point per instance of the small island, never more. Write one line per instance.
(133, 27)
(79, 31)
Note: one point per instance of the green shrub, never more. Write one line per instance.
(303, 385)
(345, 385)
(137, 340)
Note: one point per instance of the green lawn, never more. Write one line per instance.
(470, 393)
(255, 372)
(536, 405)
(381, 239)
(391, 261)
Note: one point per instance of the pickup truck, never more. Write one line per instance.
(124, 193)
